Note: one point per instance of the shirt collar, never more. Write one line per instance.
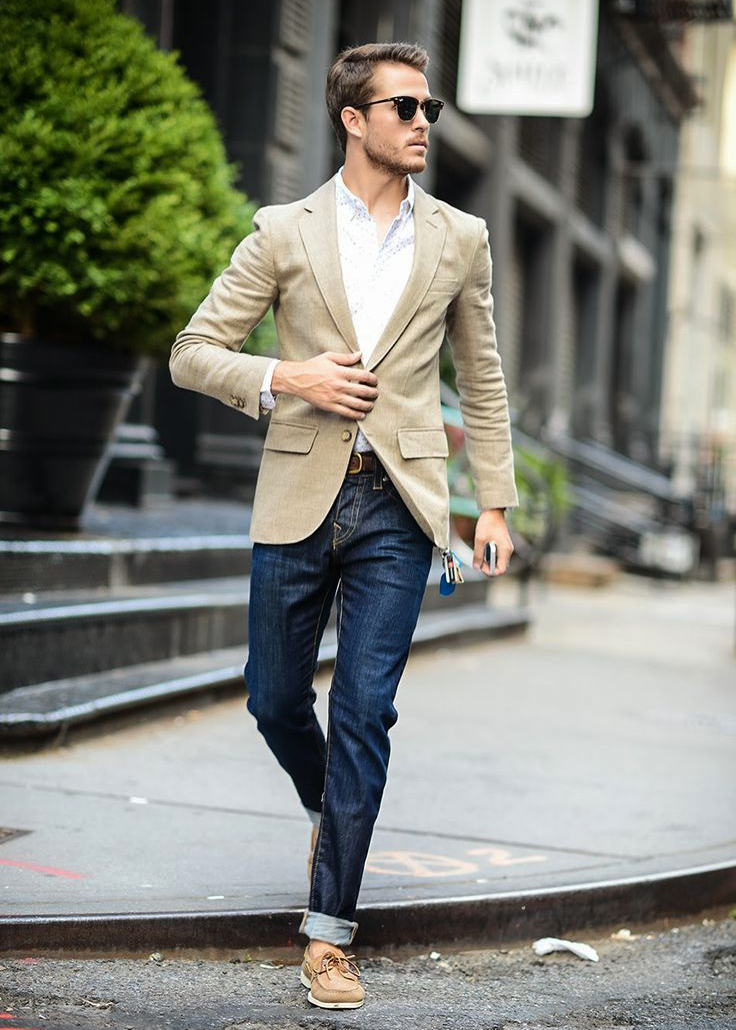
(357, 205)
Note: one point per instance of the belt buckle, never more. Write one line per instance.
(360, 467)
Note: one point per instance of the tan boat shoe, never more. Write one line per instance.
(332, 980)
(315, 831)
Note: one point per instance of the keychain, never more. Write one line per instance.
(451, 573)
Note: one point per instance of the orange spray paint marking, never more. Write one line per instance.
(41, 868)
(500, 856)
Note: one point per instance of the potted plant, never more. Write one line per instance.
(117, 210)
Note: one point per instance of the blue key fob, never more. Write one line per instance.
(446, 587)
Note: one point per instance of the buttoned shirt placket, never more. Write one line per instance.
(374, 274)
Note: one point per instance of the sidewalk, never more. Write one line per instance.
(598, 748)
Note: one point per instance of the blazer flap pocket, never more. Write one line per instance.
(423, 442)
(444, 285)
(290, 436)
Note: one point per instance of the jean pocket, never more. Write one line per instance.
(390, 488)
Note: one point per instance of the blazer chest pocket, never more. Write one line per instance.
(290, 436)
(423, 442)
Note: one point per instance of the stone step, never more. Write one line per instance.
(33, 566)
(70, 633)
(74, 634)
(46, 707)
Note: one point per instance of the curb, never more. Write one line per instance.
(488, 919)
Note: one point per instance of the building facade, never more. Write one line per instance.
(698, 412)
(579, 209)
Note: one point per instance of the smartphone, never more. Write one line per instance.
(489, 555)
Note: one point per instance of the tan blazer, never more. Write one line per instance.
(291, 261)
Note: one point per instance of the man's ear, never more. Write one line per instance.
(353, 121)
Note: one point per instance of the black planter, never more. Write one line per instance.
(59, 408)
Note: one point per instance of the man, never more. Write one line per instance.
(365, 276)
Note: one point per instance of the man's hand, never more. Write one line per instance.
(491, 525)
(330, 381)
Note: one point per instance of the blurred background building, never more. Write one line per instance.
(698, 411)
(614, 277)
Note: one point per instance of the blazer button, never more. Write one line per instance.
(346, 434)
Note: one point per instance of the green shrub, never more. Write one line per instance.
(117, 203)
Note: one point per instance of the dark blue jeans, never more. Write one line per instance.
(371, 551)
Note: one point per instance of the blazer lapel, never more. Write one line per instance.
(319, 235)
(318, 230)
(429, 239)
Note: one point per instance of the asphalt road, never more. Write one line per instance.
(671, 977)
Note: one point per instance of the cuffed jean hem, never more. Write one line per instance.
(327, 928)
(314, 816)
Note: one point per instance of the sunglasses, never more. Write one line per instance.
(406, 107)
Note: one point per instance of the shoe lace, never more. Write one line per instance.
(342, 962)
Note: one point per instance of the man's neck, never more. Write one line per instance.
(381, 194)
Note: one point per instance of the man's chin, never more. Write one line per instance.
(414, 162)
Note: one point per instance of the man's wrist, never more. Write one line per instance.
(281, 380)
(502, 510)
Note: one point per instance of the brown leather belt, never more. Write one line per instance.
(361, 461)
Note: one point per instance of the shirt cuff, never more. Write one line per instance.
(268, 400)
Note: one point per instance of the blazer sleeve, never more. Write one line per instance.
(206, 354)
(480, 381)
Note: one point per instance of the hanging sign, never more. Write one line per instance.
(534, 57)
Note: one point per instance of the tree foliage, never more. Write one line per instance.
(117, 203)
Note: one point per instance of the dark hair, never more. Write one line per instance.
(350, 79)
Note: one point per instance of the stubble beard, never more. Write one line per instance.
(384, 159)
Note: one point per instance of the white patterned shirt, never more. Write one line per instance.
(374, 273)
